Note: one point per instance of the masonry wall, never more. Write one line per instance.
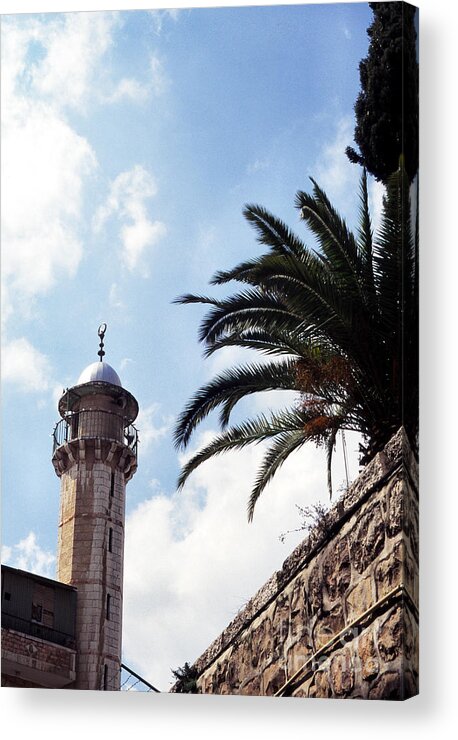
(90, 554)
(30, 662)
(340, 619)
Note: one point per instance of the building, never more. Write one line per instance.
(68, 632)
(38, 631)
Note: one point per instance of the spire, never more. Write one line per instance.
(101, 333)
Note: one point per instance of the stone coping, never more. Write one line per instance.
(396, 455)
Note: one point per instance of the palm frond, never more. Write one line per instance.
(279, 451)
(268, 343)
(250, 310)
(188, 298)
(252, 431)
(337, 243)
(227, 389)
(365, 240)
(273, 232)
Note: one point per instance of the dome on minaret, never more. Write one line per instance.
(99, 372)
(101, 382)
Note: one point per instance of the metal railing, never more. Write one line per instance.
(131, 681)
(91, 424)
(35, 629)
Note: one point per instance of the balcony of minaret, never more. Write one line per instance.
(93, 434)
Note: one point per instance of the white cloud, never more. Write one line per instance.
(56, 393)
(125, 362)
(49, 67)
(45, 163)
(159, 18)
(152, 425)
(333, 171)
(340, 178)
(66, 55)
(128, 89)
(115, 299)
(257, 166)
(43, 200)
(26, 367)
(28, 555)
(192, 560)
(126, 202)
(159, 80)
(62, 62)
(229, 357)
(137, 236)
(376, 191)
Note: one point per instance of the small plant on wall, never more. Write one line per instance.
(186, 679)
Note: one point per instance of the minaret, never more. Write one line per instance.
(95, 454)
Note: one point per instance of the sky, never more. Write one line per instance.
(130, 143)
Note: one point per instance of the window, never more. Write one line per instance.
(112, 484)
(74, 425)
(37, 612)
(108, 605)
(105, 677)
(110, 539)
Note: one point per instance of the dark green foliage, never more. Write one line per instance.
(387, 106)
(339, 324)
(186, 678)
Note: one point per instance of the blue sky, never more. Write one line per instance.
(131, 142)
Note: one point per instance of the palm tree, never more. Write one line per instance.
(339, 325)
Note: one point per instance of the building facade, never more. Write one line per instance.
(38, 631)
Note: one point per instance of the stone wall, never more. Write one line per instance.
(90, 554)
(30, 662)
(340, 619)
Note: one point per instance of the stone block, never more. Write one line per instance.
(260, 648)
(327, 625)
(337, 569)
(315, 590)
(342, 673)
(280, 625)
(301, 692)
(388, 572)
(320, 687)
(298, 607)
(252, 687)
(370, 665)
(414, 528)
(273, 679)
(297, 655)
(387, 687)
(360, 598)
(390, 635)
(367, 538)
(396, 502)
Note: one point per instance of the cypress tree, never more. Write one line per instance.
(387, 106)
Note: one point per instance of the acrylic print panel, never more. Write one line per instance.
(211, 330)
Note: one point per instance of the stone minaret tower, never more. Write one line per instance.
(95, 454)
